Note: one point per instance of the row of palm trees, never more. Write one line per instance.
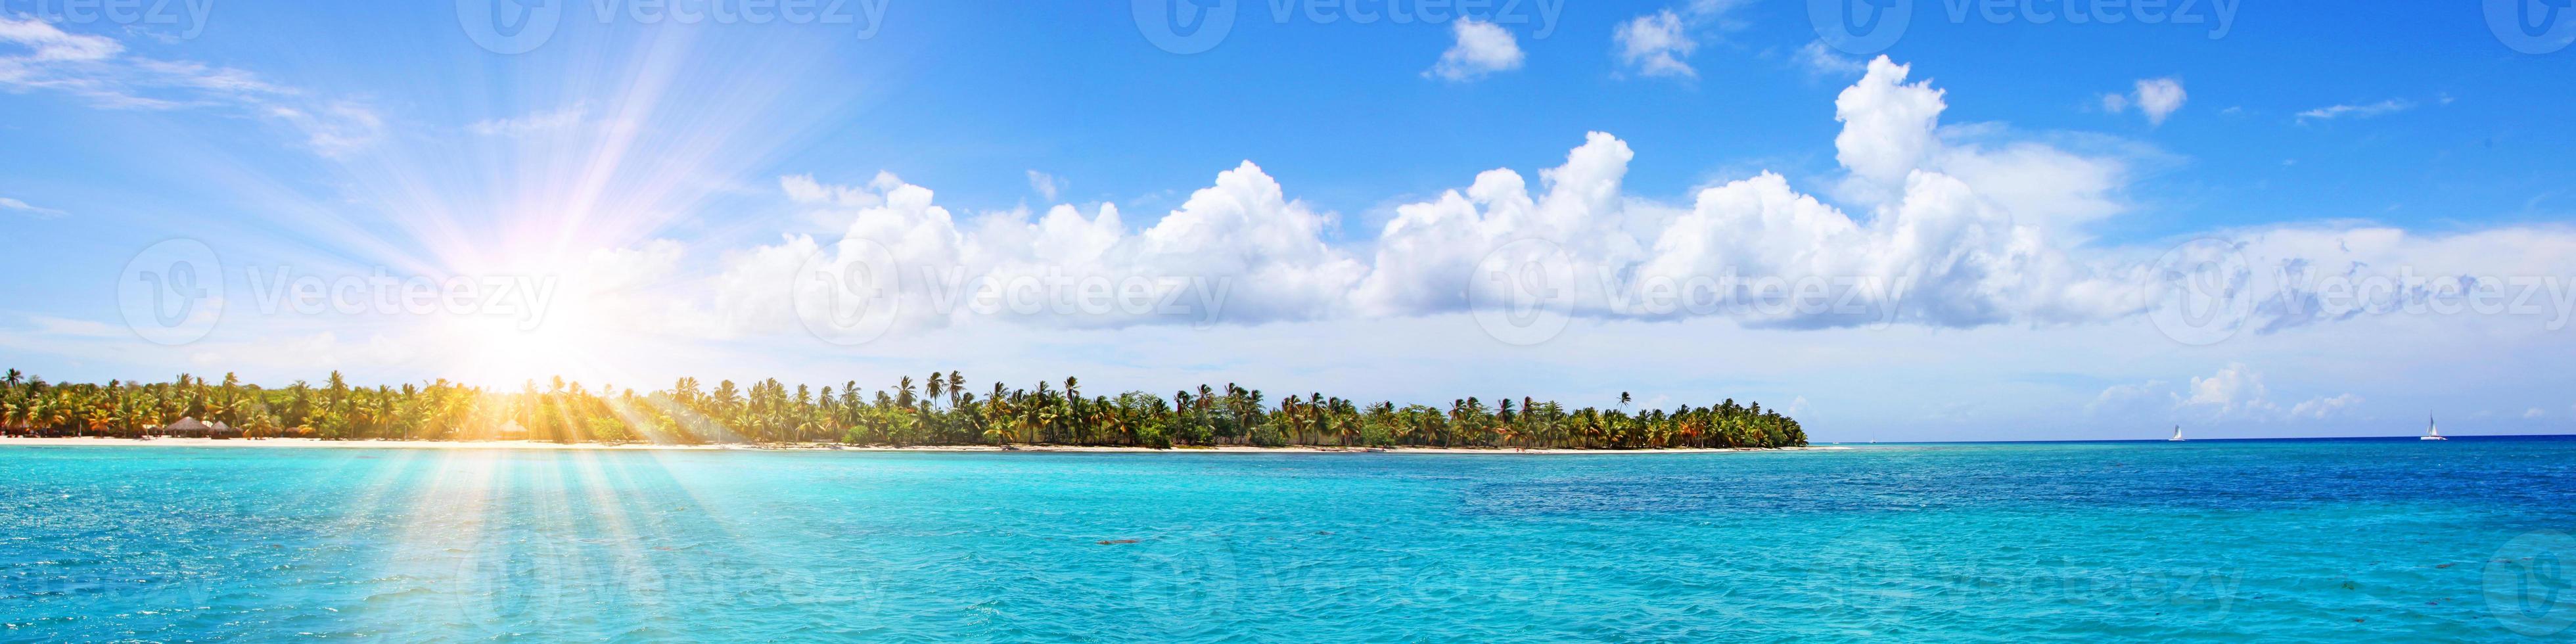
(935, 410)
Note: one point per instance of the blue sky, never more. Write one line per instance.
(662, 168)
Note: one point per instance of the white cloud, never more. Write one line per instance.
(1661, 43)
(2235, 393)
(51, 44)
(335, 129)
(17, 206)
(1046, 185)
(1822, 60)
(1482, 48)
(1888, 126)
(2235, 388)
(534, 123)
(1950, 227)
(2122, 395)
(1242, 238)
(1655, 45)
(1953, 227)
(2322, 408)
(99, 70)
(2533, 414)
(2390, 106)
(2157, 98)
(803, 189)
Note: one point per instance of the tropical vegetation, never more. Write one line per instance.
(938, 409)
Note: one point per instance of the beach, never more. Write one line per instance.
(315, 443)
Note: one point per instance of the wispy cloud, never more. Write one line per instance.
(1821, 60)
(2390, 106)
(534, 123)
(100, 70)
(16, 206)
(1660, 43)
(1046, 185)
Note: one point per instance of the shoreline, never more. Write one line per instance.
(315, 443)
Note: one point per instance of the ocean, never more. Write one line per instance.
(2306, 540)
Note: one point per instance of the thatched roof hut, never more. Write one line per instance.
(186, 427)
(193, 428)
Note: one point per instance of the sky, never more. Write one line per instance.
(1970, 221)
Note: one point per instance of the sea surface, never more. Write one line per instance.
(2325, 541)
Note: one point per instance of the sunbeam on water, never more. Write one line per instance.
(2313, 540)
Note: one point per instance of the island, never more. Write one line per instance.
(938, 411)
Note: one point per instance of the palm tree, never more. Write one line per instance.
(769, 411)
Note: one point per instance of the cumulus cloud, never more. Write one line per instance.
(2157, 98)
(1241, 242)
(2235, 388)
(1926, 224)
(1482, 48)
(1888, 126)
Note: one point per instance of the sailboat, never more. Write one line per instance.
(2177, 434)
(2432, 431)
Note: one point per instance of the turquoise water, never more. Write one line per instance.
(2209, 540)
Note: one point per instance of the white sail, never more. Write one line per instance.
(2177, 433)
(2432, 430)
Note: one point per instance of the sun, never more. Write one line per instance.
(506, 350)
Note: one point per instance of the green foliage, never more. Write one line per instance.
(944, 412)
